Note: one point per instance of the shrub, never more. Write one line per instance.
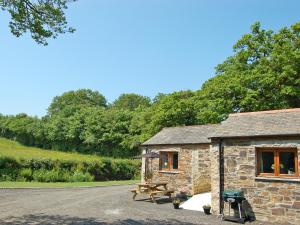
(39, 175)
(81, 177)
(8, 162)
(8, 174)
(37, 164)
(47, 170)
(123, 170)
(50, 175)
(25, 175)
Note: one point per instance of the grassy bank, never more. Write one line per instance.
(21, 163)
(9, 148)
(8, 184)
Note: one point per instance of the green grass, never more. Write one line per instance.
(14, 154)
(15, 150)
(8, 184)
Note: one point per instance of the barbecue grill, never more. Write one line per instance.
(234, 199)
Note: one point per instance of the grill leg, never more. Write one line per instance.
(239, 205)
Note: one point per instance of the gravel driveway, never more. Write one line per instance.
(98, 205)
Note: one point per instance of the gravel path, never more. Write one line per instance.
(98, 205)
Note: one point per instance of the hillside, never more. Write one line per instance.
(21, 163)
(15, 150)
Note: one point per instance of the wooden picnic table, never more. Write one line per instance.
(152, 189)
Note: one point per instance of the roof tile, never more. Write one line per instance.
(183, 135)
(263, 123)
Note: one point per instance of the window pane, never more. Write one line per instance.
(164, 161)
(267, 162)
(287, 162)
(175, 161)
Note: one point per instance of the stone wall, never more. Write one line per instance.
(215, 178)
(193, 168)
(272, 200)
(201, 169)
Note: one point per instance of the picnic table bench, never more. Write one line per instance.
(152, 189)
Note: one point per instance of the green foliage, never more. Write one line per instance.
(43, 175)
(25, 174)
(48, 170)
(263, 74)
(43, 19)
(20, 163)
(131, 102)
(79, 176)
(170, 110)
(69, 102)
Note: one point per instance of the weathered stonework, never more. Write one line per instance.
(201, 169)
(193, 168)
(273, 201)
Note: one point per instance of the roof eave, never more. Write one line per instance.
(253, 136)
(165, 144)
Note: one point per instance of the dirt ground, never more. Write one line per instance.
(91, 206)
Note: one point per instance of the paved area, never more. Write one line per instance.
(91, 206)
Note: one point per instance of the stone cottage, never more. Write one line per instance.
(183, 158)
(259, 153)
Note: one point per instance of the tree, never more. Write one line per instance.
(23, 128)
(93, 128)
(69, 102)
(263, 74)
(159, 97)
(44, 19)
(131, 101)
(171, 110)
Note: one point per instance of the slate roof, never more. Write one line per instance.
(183, 135)
(264, 123)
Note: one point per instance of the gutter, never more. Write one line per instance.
(175, 144)
(257, 136)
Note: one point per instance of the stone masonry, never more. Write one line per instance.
(193, 168)
(272, 200)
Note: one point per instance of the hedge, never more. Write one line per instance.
(48, 170)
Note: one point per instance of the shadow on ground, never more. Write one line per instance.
(158, 200)
(57, 219)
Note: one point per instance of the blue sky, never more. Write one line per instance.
(130, 46)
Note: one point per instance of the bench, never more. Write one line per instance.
(153, 193)
(139, 191)
(168, 193)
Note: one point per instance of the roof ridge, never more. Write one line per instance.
(183, 126)
(266, 112)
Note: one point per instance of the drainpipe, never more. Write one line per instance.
(221, 173)
(144, 164)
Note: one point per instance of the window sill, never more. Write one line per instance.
(278, 179)
(169, 172)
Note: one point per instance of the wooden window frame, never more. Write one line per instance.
(170, 161)
(276, 152)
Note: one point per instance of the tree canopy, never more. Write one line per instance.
(263, 74)
(131, 101)
(43, 19)
(69, 102)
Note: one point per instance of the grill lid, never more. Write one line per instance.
(232, 193)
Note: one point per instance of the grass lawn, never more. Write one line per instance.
(8, 184)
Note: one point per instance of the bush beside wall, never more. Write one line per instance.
(48, 170)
